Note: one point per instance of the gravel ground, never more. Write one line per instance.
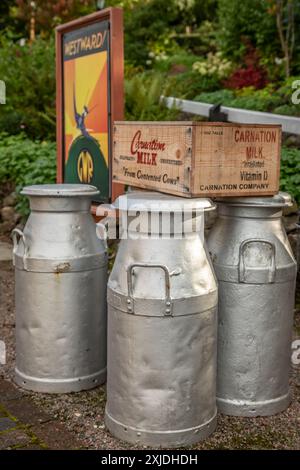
(83, 413)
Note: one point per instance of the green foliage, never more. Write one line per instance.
(287, 110)
(204, 10)
(29, 74)
(208, 35)
(257, 100)
(6, 19)
(290, 172)
(215, 97)
(147, 23)
(159, 27)
(178, 61)
(131, 70)
(25, 162)
(246, 21)
(161, 49)
(189, 84)
(201, 40)
(50, 13)
(214, 65)
(269, 99)
(142, 100)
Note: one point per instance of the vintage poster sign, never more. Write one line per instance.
(90, 96)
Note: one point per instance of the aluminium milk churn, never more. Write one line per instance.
(256, 271)
(162, 325)
(61, 275)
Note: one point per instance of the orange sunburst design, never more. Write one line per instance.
(87, 75)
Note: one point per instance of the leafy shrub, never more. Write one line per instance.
(204, 10)
(200, 41)
(241, 22)
(142, 100)
(189, 84)
(145, 23)
(287, 110)
(25, 162)
(214, 64)
(49, 14)
(290, 172)
(29, 74)
(159, 26)
(247, 76)
(131, 70)
(178, 60)
(208, 37)
(269, 99)
(224, 97)
(250, 74)
(160, 49)
(229, 98)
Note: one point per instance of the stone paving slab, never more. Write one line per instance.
(56, 436)
(22, 408)
(6, 424)
(24, 426)
(5, 251)
(9, 392)
(14, 439)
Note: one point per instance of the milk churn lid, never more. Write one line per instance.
(60, 190)
(279, 200)
(146, 201)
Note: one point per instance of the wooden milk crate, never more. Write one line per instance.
(198, 159)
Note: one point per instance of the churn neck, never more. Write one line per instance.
(258, 207)
(60, 197)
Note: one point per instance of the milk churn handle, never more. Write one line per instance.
(16, 235)
(272, 269)
(101, 227)
(168, 302)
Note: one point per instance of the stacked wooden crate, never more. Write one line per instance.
(193, 159)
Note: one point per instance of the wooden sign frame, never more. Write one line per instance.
(115, 48)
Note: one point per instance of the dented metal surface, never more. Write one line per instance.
(162, 325)
(61, 275)
(256, 272)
